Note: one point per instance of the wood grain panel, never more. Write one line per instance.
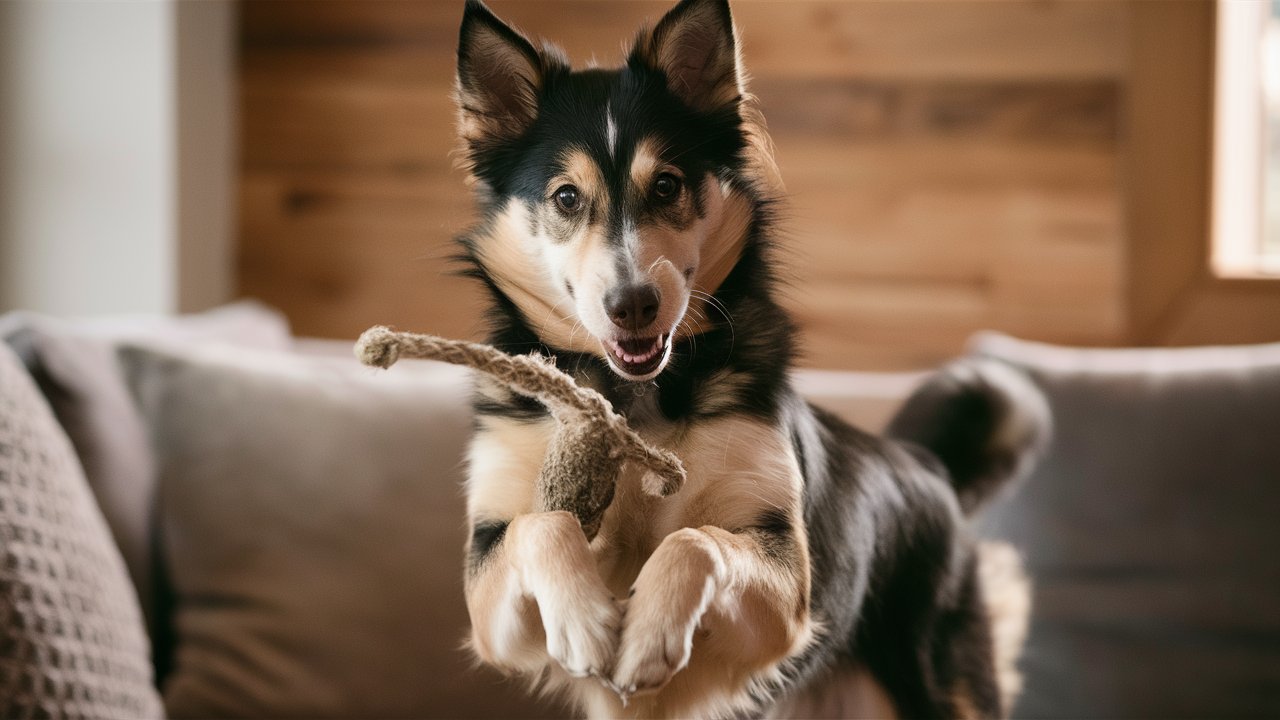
(958, 39)
(1169, 157)
(1038, 112)
(342, 251)
(953, 165)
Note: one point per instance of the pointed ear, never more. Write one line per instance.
(499, 76)
(694, 45)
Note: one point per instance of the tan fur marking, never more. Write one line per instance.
(513, 259)
(645, 164)
(721, 390)
(729, 217)
(965, 708)
(739, 468)
(582, 171)
(1006, 591)
(759, 151)
(505, 457)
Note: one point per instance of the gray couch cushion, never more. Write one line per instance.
(1150, 532)
(312, 519)
(72, 642)
(75, 366)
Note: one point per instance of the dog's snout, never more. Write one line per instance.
(632, 307)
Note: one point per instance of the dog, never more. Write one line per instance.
(627, 230)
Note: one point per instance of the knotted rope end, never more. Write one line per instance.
(378, 347)
(664, 474)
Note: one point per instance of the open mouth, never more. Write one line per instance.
(638, 357)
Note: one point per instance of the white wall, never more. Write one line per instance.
(90, 169)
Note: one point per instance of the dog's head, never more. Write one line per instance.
(610, 194)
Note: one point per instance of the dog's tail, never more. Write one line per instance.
(984, 420)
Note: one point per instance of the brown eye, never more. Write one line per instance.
(666, 186)
(567, 198)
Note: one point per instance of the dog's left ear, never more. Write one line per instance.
(695, 47)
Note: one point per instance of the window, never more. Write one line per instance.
(1246, 164)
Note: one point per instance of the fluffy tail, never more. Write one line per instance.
(983, 419)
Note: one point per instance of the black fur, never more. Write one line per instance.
(984, 421)
(893, 573)
(485, 538)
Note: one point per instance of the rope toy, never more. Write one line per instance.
(590, 444)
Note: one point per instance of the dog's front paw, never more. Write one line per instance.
(582, 632)
(671, 595)
(649, 656)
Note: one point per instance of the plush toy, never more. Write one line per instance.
(591, 442)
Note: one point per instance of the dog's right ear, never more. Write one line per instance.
(695, 46)
(500, 74)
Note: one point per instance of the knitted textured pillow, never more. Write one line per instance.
(72, 644)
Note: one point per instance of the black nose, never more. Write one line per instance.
(633, 307)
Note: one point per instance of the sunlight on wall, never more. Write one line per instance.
(89, 158)
(116, 153)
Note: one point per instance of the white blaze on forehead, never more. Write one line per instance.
(611, 131)
(630, 238)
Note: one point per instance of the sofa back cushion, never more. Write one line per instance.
(74, 364)
(1150, 532)
(72, 642)
(311, 520)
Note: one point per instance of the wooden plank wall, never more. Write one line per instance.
(953, 165)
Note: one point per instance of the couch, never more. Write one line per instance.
(282, 528)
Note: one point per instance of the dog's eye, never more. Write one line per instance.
(666, 186)
(567, 198)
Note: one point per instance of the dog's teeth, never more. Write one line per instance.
(652, 349)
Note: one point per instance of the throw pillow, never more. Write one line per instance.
(72, 643)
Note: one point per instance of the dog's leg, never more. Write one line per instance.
(534, 585)
(747, 590)
(964, 655)
(932, 650)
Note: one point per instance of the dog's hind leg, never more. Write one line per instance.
(963, 655)
(935, 659)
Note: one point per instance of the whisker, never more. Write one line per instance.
(551, 310)
(693, 310)
(715, 302)
(693, 336)
(577, 325)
